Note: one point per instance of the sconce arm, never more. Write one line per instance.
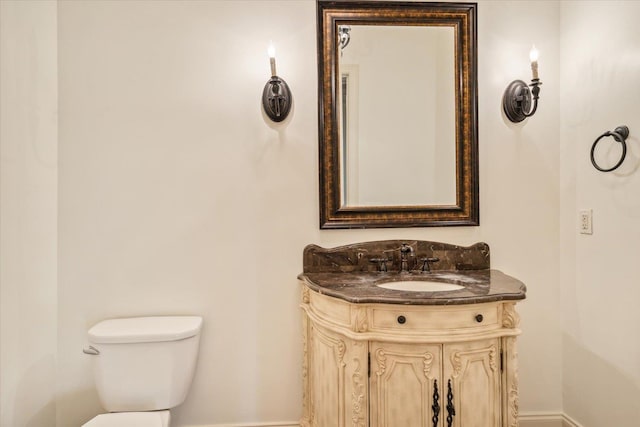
(535, 91)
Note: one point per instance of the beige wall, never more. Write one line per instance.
(28, 191)
(600, 285)
(519, 172)
(176, 195)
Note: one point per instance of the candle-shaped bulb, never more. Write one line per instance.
(272, 58)
(533, 56)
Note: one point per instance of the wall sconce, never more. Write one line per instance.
(344, 36)
(276, 96)
(517, 98)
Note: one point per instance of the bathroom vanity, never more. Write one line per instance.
(376, 354)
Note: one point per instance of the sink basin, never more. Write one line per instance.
(420, 286)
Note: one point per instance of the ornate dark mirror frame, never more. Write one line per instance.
(463, 18)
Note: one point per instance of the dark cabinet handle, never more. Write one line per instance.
(402, 320)
(451, 410)
(479, 318)
(435, 408)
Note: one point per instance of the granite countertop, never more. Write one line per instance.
(479, 286)
(352, 273)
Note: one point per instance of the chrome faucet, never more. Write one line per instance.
(404, 261)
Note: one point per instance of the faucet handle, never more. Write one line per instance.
(382, 263)
(406, 249)
(426, 261)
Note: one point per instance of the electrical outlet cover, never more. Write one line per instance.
(585, 221)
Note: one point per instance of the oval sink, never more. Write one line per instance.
(420, 286)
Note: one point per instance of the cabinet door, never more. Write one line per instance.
(337, 379)
(472, 384)
(402, 384)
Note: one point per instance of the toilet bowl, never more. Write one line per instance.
(143, 366)
(131, 419)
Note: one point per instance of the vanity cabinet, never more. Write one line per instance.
(395, 365)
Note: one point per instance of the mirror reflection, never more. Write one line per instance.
(397, 115)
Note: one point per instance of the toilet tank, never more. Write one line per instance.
(145, 363)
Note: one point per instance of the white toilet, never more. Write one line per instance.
(143, 366)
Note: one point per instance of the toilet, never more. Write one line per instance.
(143, 366)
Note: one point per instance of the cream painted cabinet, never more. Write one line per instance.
(337, 379)
(423, 384)
(473, 374)
(392, 365)
(404, 384)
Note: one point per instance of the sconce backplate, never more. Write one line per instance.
(516, 101)
(276, 99)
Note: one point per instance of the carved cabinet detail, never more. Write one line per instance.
(390, 365)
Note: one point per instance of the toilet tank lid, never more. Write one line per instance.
(145, 329)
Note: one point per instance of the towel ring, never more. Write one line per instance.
(620, 134)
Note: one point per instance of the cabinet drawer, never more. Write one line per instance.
(434, 319)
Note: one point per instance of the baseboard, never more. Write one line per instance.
(272, 424)
(526, 420)
(547, 420)
(567, 421)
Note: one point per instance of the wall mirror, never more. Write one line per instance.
(397, 114)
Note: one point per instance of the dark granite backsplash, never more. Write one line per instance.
(358, 257)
